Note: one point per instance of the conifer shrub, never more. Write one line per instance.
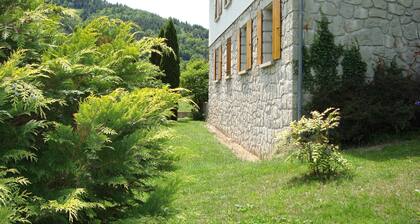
(369, 108)
(82, 124)
(309, 141)
(324, 80)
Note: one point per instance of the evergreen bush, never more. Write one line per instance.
(83, 122)
(369, 108)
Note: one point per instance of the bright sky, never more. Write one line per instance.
(191, 11)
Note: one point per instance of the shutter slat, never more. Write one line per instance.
(276, 29)
(259, 37)
(249, 44)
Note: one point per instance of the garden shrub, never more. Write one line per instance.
(324, 80)
(384, 105)
(82, 118)
(309, 139)
(195, 78)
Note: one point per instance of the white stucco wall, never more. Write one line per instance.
(229, 15)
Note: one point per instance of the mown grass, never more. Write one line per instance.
(212, 186)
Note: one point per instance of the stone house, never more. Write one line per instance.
(254, 45)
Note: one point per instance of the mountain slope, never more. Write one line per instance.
(193, 39)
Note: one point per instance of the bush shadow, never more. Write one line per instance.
(159, 202)
(308, 178)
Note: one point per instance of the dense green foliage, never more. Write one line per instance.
(310, 142)
(193, 39)
(325, 80)
(82, 118)
(196, 79)
(380, 106)
(170, 63)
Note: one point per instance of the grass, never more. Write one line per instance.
(214, 187)
(185, 107)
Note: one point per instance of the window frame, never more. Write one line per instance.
(244, 65)
(218, 9)
(227, 3)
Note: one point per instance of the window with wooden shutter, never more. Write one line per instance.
(249, 45)
(228, 57)
(241, 43)
(276, 29)
(214, 64)
(265, 35)
(220, 65)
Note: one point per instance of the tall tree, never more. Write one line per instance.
(169, 63)
(155, 57)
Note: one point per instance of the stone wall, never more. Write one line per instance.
(383, 28)
(253, 108)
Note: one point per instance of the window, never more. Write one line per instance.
(269, 33)
(218, 9)
(217, 66)
(245, 47)
(228, 57)
(227, 2)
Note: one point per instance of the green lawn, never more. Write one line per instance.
(214, 187)
(185, 107)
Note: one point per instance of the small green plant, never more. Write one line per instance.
(310, 142)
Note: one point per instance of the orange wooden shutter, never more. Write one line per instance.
(249, 44)
(276, 29)
(239, 51)
(214, 65)
(259, 37)
(220, 63)
(228, 56)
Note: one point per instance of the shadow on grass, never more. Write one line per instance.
(401, 151)
(160, 201)
(307, 179)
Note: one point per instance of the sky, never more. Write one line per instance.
(191, 11)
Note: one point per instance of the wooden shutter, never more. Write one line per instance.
(220, 63)
(259, 37)
(276, 29)
(214, 65)
(249, 44)
(228, 56)
(238, 41)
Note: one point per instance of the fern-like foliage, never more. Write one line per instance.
(309, 140)
(82, 116)
(115, 149)
(71, 204)
(12, 200)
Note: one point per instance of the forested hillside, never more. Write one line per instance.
(192, 38)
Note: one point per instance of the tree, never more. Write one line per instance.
(195, 78)
(170, 62)
(155, 58)
(324, 60)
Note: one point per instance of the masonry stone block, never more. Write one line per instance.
(252, 108)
